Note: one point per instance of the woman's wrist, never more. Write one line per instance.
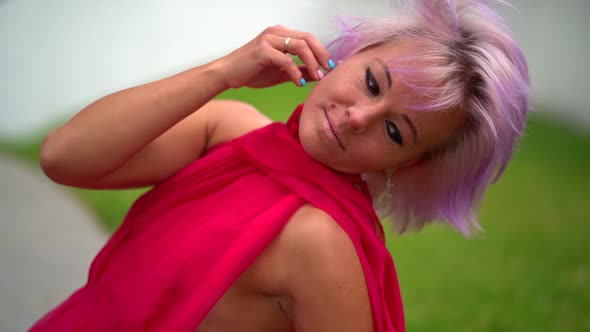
(216, 73)
(198, 85)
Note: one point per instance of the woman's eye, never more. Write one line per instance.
(394, 133)
(371, 82)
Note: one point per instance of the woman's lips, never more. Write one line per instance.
(333, 131)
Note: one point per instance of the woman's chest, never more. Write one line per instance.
(248, 305)
(241, 312)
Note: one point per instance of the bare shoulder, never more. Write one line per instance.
(317, 234)
(229, 119)
(323, 279)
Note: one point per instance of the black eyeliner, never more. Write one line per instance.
(371, 82)
(397, 136)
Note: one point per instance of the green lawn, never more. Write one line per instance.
(529, 270)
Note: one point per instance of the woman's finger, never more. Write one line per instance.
(300, 48)
(305, 72)
(284, 77)
(319, 51)
(290, 70)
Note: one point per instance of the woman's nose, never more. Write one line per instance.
(361, 118)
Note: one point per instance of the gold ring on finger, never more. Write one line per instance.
(286, 45)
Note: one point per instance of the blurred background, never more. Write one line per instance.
(528, 271)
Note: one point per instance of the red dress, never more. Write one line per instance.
(186, 241)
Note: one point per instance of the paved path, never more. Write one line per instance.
(47, 241)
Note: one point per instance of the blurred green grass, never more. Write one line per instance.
(528, 271)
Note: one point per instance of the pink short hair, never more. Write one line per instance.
(465, 58)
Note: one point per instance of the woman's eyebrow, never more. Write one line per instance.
(386, 70)
(412, 127)
(404, 116)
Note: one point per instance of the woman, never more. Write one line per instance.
(260, 226)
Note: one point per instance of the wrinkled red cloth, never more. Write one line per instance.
(186, 241)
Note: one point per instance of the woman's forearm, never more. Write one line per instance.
(109, 131)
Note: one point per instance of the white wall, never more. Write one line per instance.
(57, 56)
(555, 36)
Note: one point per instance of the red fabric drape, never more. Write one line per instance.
(184, 243)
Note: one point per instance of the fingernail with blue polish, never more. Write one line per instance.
(302, 81)
(331, 64)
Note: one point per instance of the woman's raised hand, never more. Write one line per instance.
(159, 120)
(265, 60)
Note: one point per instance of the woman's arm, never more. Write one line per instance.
(157, 122)
(107, 133)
